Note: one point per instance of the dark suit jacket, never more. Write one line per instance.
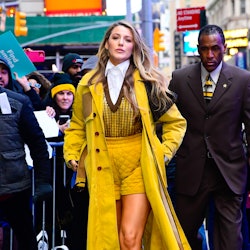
(216, 126)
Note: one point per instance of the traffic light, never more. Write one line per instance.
(20, 24)
(158, 40)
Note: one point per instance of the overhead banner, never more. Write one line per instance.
(62, 7)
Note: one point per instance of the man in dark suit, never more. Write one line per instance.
(211, 162)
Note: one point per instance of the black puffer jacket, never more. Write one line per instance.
(16, 129)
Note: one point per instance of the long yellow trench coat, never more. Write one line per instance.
(85, 136)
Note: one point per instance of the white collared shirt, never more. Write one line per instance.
(115, 76)
(214, 74)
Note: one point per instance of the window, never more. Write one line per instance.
(242, 6)
(233, 7)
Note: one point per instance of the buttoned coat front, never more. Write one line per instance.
(86, 137)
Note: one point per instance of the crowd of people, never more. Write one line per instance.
(143, 161)
(56, 96)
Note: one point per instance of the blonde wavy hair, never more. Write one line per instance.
(141, 59)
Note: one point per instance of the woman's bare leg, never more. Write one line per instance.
(134, 214)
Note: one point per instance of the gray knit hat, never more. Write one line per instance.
(90, 63)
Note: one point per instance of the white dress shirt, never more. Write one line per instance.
(115, 76)
(214, 76)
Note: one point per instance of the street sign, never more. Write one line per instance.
(188, 18)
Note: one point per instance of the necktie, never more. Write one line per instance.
(208, 90)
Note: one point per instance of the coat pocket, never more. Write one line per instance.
(13, 155)
(87, 105)
(236, 154)
(13, 166)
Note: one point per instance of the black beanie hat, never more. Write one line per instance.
(62, 81)
(69, 60)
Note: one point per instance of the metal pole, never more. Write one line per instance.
(54, 198)
(54, 146)
(58, 60)
(128, 14)
(147, 23)
(247, 48)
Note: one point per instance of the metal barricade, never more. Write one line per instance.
(43, 233)
(54, 146)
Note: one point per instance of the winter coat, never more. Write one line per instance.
(86, 137)
(16, 129)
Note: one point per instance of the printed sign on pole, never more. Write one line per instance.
(188, 19)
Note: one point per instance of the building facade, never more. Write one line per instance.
(178, 57)
(229, 14)
(234, 18)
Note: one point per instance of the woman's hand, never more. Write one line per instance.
(64, 126)
(73, 164)
(23, 81)
(50, 111)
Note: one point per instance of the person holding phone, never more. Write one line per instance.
(62, 96)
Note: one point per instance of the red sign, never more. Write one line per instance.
(188, 18)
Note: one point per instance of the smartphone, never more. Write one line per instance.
(35, 55)
(63, 119)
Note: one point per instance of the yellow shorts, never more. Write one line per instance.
(125, 153)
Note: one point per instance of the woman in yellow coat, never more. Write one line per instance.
(112, 137)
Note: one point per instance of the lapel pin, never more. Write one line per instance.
(224, 85)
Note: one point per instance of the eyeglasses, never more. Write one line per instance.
(35, 85)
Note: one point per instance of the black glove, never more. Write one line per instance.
(43, 191)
